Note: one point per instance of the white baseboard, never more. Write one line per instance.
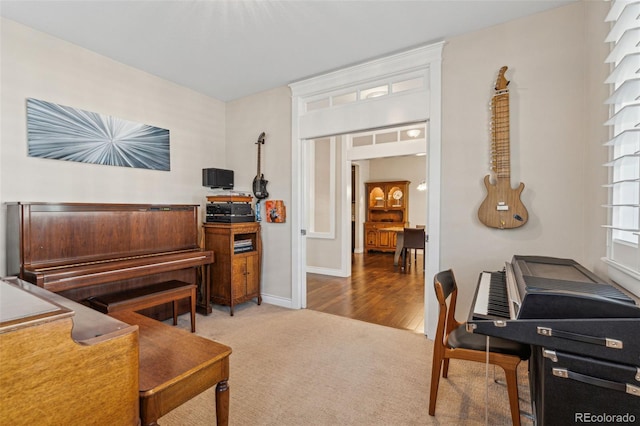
(277, 300)
(326, 271)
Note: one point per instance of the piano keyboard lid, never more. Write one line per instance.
(574, 287)
(563, 288)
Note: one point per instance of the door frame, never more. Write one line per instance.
(422, 104)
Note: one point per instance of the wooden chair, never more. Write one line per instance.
(452, 341)
(414, 238)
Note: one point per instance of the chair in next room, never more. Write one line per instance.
(414, 238)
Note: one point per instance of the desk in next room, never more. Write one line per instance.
(399, 243)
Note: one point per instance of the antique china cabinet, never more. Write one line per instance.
(387, 213)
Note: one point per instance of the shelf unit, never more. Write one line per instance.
(235, 274)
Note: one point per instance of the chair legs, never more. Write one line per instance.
(445, 368)
(441, 364)
(435, 380)
(406, 258)
(512, 389)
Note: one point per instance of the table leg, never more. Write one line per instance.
(204, 290)
(192, 300)
(222, 403)
(175, 312)
(399, 246)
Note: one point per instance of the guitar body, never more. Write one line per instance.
(260, 187)
(502, 208)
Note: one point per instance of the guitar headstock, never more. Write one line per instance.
(261, 138)
(501, 81)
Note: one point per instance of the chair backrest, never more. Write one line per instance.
(445, 286)
(414, 238)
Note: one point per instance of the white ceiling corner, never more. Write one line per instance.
(228, 49)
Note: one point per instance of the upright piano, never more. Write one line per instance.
(80, 250)
(584, 332)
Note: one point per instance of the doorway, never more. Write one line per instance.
(337, 200)
(368, 289)
(408, 89)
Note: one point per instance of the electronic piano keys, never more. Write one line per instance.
(584, 332)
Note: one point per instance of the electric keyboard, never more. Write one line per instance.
(583, 332)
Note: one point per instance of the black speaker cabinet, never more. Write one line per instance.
(570, 389)
(217, 178)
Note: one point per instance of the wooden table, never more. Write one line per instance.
(399, 242)
(175, 366)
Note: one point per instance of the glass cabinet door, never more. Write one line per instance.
(377, 197)
(395, 197)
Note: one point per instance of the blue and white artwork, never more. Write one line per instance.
(64, 133)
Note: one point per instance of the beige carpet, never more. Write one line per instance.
(302, 367)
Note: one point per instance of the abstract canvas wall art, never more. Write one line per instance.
(65, 133)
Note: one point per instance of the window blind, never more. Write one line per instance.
(623, 254)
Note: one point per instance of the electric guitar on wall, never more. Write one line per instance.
(501, 207)
(259, 182)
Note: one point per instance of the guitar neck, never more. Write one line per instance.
(500, 135)
(258, 172)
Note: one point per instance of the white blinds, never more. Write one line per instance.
(624, 147)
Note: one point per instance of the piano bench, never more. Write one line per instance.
(148, 296)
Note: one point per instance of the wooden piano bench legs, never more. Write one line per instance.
(148, 296)
(176, 367)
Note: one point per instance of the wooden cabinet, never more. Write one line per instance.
(380, 236)
(387, 212)
(235, 275)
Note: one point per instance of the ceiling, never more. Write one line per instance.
(229, 49)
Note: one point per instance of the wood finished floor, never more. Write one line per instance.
(377, 292)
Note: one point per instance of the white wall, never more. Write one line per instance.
(556, 72)
(269, 112)
(555, 69)
(36, 65)
(325, 255)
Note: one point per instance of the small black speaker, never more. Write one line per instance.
(217, 178)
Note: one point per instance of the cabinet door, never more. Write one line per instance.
(238, 277)
(377, 195)
(395, 196)
(371, 237)
(387, 239)
(383, 241)
(245, 276)
(253, 275)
